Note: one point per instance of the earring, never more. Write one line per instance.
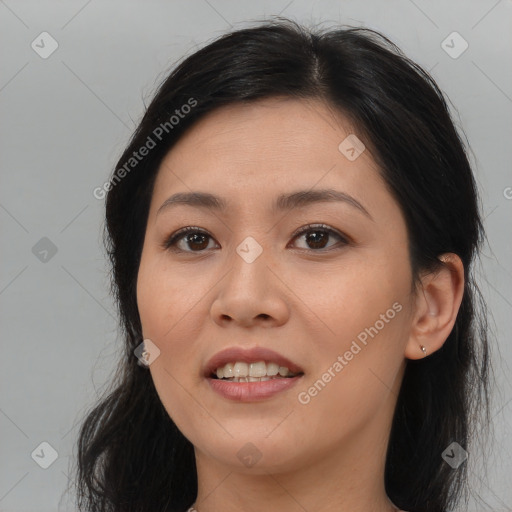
(142, 355)
(424, 350)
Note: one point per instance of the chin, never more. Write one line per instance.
(255, 454)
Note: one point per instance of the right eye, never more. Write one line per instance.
(191, 237)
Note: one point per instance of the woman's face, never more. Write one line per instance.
(334, 300)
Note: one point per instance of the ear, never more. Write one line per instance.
(438, 300)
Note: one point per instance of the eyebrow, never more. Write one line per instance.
(283, 202)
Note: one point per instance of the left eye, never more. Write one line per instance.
(197, 239)
(317, 235)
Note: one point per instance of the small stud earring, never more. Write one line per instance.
(424, 350)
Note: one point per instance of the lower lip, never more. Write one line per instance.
(251, 391)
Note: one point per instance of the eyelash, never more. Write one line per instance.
(170, 242)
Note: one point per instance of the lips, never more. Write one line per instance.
(251, 355)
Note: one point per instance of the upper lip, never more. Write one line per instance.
(248, 355)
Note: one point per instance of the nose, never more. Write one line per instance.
(250, 294)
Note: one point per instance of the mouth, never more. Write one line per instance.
(250, 375)
(252, 389)
(259, 371)
(254, 363)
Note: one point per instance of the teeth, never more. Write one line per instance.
(228, 370)
(283, 371)
(243, 372)
(272, 369)
(258, 369)
(251, 379)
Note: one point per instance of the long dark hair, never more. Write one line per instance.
(131, 456)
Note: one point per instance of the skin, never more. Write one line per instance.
(302, 300)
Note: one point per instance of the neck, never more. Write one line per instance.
(349, 478)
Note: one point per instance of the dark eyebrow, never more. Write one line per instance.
(283, 202)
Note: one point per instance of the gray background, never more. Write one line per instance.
(64, 122)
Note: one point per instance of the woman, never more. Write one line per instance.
(292, 229)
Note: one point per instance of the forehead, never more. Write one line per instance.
(275, 127)
(248, 151)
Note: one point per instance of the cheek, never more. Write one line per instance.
(167, 318)
(160, 310)
(353, 381)
(150, 298)
(173, 308)
(353, 298)
(165, 298)
(366, 309)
